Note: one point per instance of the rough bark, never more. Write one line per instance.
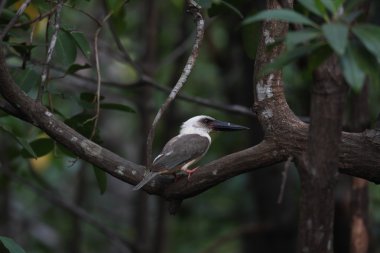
(318, 166)
(359, 223)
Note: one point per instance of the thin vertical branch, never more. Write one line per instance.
(19, 12)
(127, 58)
(98, 75)
(53, 41)
(195, 10)
(284, 178)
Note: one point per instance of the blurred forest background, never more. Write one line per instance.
(58, 203)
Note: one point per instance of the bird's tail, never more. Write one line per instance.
(149, 176)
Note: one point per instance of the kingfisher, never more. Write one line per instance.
(188, 147)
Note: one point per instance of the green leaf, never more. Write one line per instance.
(89, 97)
(313, 7)
(352, 5)
(22, 48)
(233, 8)
(336, 35)
(289, 56)
(84, 123)
(366, 62)
(101, 179)
(301, 36)
(329, 5)
(352, 16)
(280, 14)
(26, 147)
(76, 67)
(352, 73)
(318, 57)
(65, 51)
(206, 4)
(40, 147)
(369, 35)
(115, 5)
(26, 78)
(11, 245)
(119, 107)
(82, 43)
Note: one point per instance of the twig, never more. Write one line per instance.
(19, 12)
(53, 40)
(73, 210)
(200, 100)
(120, 46)
(84, 13)
(195, 10)
(98, 75)
(284, 178)
(39, 18)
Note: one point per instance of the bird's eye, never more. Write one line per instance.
(206, 121)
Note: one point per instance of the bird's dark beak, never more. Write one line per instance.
(218, 125)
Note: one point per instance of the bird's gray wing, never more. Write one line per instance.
(180, 150)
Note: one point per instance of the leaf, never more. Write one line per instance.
(330, 5)
(366, 62)
(26, 147)
(11, 245)
(280, 14)
(206, 4)
(352, 73)
(352, 16)
(84, 123)
(301, 36)
(369, 35)
(101, 179)
(289, 56)
(336, 35)
(233, 8)
(65, 50)
(89, 97)
(22, 48)
(119, 107)
(40, 147)
(312, 6)
(82, 43)
(115, 5)
(26, 78)
(318, 57)
(76, 67)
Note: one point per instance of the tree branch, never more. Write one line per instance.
(19, 12)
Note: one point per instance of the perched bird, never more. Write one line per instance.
(186, 148)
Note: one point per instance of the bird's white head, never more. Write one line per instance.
(203, 125)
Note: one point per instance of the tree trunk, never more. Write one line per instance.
(360, 120)
(318, 167)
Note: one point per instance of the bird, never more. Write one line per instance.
(188, 147)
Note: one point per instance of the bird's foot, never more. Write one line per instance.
(190, 172)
